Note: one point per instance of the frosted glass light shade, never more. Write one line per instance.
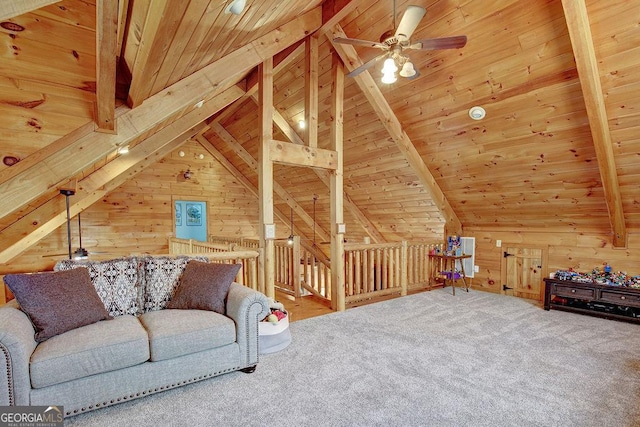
(389, 66)
(408, 70)
(236, 7)
(388, 78)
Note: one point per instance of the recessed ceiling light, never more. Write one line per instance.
(123, 150)
(301, 124)
(477, 113)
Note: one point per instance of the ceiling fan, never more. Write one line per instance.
(395, 42)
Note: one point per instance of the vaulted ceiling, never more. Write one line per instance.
(558, 149)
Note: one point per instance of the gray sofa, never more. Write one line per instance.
(145, 348)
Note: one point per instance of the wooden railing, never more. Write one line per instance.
(371, 270)
(301, 268)
(239, 241)
(377, 270)
(225, 253)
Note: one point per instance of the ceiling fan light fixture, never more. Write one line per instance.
(408, 70)
(235, 7)
(389, 66)
(388, 78)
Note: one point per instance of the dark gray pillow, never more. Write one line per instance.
(204, 286)
(57, 301)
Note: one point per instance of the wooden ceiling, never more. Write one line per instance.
(559, 148)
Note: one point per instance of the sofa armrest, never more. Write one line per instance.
(247, 307)
(17, 343)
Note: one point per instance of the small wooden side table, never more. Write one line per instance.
(448, 263)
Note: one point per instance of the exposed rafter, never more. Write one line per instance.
(40, 176)
(225, 136)
(106, 54)
(36, 225)
(388, 118)
(577, 18)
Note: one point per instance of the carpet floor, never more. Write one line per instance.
(429, 359)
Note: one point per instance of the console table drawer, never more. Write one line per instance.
(620, 298)
(571, 292)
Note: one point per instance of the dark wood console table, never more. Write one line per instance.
(611, 302)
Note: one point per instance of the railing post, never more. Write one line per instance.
(261, 276)
(297, 287)
(403, 264)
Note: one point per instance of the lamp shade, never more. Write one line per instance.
(236, 7)
(408, 70)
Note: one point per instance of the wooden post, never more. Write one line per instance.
(296, 266)
(265, 176)
(337, 192)
(404, 269)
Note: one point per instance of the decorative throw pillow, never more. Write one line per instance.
(117, 281)
(204, 286)
(57, 301)
(161, 276)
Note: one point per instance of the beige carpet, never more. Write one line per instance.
(430, 359)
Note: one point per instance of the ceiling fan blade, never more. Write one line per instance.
(366, 65)
(454, 42)
(409, 22)
(358, 42)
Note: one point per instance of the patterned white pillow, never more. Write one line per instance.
(117, 281)
(161, 276)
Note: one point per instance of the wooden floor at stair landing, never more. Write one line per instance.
(303, 307)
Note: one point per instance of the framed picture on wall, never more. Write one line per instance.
(178, 214)
(194, 214)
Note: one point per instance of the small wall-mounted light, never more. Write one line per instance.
(199, 104)
(181, 153)
(200, 156)
(123, 150)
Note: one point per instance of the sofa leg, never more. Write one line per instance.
(249, 370)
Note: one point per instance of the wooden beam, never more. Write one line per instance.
(211, 149)
(106, 55)
(360, 217)
(50, 171)
(388, 118)
(159, 29)
(31, 228)
(287, 153)
(311, 91)
(337, 182)
(334, 11)
(12, 8)
(577, 18)
(265, 175)
(277, 188)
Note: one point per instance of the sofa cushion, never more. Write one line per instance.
(89, 350)
(161, 276)
(117, 281)
(204, 286)
(57, 301)
(174, 333)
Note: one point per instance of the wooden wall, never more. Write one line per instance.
(137, 217)
(581, 251)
